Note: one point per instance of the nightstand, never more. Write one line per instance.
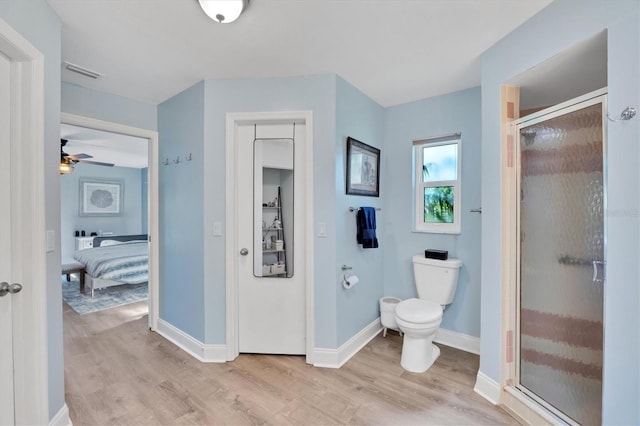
(83, 243)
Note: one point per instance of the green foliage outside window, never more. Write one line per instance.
(438, 204)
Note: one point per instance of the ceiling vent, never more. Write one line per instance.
(82, 70)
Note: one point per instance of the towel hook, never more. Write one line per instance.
(355, 209)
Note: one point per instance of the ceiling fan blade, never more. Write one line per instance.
(96, 163)
(80, 136)
(81, 156)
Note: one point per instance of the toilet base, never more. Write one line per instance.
(418, 354)
(384, 331)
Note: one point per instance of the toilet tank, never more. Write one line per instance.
(436, 280)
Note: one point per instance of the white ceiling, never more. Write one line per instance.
(395, 51)
(105, 147)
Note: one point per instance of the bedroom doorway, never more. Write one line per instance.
(134, 191)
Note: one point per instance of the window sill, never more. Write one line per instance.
(437, 231)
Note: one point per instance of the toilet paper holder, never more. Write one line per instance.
(348, 282)
(345, 268)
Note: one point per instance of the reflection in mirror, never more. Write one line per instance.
(273, 208)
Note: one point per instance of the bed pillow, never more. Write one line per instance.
(106, 243)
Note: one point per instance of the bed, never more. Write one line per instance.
(115, 260)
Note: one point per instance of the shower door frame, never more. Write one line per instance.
(521, 402)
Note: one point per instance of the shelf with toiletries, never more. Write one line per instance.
(273, 245)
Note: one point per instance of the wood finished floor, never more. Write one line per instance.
(117, 372)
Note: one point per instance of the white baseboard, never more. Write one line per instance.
(464, 342)
(487, 388)
(61, 418)
(200, 351)
(336, 358)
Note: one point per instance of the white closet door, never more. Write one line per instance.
(272, 312)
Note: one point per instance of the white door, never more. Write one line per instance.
(271, 237)
(6, 321)
(23, 328)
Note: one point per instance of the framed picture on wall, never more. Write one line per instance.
(363, 169)
(101, 197)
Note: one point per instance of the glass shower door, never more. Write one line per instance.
(561, 267)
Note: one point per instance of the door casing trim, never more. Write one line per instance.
(233, 120)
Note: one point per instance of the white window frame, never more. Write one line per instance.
(419, 225)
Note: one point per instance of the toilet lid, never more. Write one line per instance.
(418, 311)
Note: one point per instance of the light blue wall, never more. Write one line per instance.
(340, 110)
(446, 114)
(181, 131)
(361, 118)
(557, 27)
(309, 93)
(108, 107)
(37, 22)
(126, 224)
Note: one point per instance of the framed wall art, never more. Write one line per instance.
(101, 197)
(363, 169)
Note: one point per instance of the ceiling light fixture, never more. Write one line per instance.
(223, 11)
(66, 167)
(82, 70)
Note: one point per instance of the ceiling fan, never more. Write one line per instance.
(68, 162)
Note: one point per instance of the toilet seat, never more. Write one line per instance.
(418, 311)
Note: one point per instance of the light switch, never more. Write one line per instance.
(322, 230)
(51, 240)
(217, 229)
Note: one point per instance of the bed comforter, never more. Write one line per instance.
(127, 263)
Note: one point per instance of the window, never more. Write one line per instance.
(436, 176)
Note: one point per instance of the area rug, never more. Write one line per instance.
(105, 298)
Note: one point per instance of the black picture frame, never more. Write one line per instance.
(363, 169)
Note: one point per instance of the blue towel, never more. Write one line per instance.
(366, 223)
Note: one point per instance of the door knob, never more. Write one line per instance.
(6, 288)
(15, 288)
(244, 252)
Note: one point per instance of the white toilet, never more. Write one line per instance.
(419, 319)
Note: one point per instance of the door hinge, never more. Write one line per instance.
(509, 346)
